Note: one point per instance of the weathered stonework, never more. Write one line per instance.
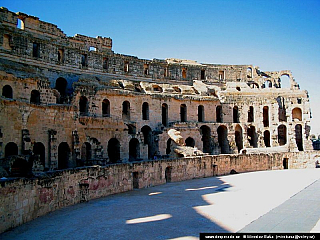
(70, 102)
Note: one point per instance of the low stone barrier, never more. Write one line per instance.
(24, 199)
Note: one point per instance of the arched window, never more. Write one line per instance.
(114, 150)
(282, 135)
(35, 97)
(183, 113)
(83, 106)
(282, 109)
(205, 131)
(249, 72)
(134, 149)
(223, 139)
(164, 113)
(7, 91)
(296, 114)
(235, 114)
(126, 110)
(266, 116)
(285, 81)
(86, 153)
(219, 114)
(145, 111)
(11, 149)
(200, 113)
(63, 155)
(147, 135)
(105, 108)
(298, 132)
(184, 73)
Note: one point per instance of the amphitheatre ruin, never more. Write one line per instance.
(79, 121)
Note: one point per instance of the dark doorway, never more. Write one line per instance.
(61, 86)
(83, 106)
(168, 149)
(298, 132)
(200, 113)
(11, 149)
(135, 180)
(235, 114)
(106, 108)
(35, 97)
(114, 150)
(251, 114)
(219, 114)
(147, 135)
(40, 151)
(266, 138)
(183, 113)
(252, 136)
(145, 111)
(266, 116)
(86, 153)
(126, 110)
(134, 149)
(238, 137)
(167, 174)
(164, 110)
(7, 91)
(286, 163)
(205, 131)
(223, 139)
(282, 135)
(190, 142)
(63, 155)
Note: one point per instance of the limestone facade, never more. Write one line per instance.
(72, 101)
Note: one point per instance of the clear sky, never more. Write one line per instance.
(272, 34)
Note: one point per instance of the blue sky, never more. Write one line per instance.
(272, 34)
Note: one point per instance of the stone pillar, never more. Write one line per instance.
(53, 150)
(76, 147)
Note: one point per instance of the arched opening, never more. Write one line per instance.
(266, 116)
(61, 86)
(35, 97)
(114, 150)
(205, 131)
(83, 106)
(200, 113)
(252, 136)
(86, 153)
(11, 149)
(184, 73)
(164, 113)
(282, 135)
(167, 174)
(106, 108)
(126, 110)
(267, 84)
(285, 81)
(190, 142)
(145, 111)
(63, 155)
(251, 114)
(219, 114)
(7, 91)
(282, 109)
(235, 114)
(168, 149)
(249, 72)
(296, 114)
(266, 138)
(285, 163)
(298, 132)
(183, 113)
(134, 149)
(238, 137)
(223, 139)
(147, 135)
(40, 152)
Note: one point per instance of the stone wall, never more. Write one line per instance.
(24, 199)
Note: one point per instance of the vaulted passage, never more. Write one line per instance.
(298, 132)
(206, 138)
(223, 139)
(282, 135)
(252, 136)
(114, 150)
(238, 137)
(63, 155)
(134, 149)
